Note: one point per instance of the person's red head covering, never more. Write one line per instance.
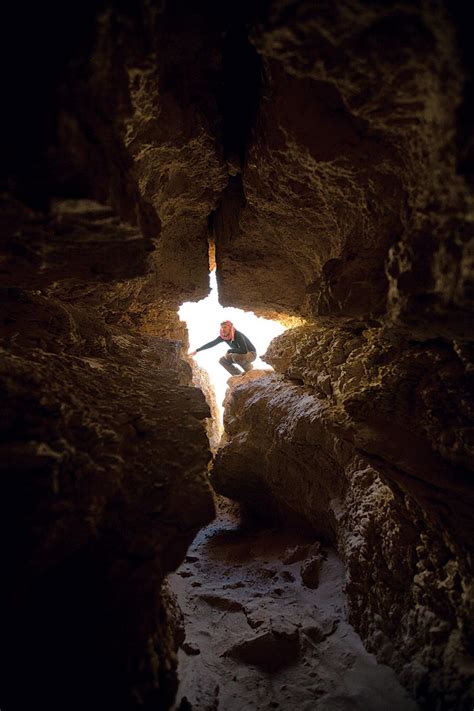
(231, 335)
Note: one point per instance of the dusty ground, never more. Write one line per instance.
(257, 637)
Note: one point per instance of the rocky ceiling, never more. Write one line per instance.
(327, 151)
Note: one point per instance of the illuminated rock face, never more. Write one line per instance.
(161, 146)
(202, 381)
(341, 193)
(333, 446)
(350, 194)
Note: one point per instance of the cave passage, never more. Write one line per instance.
(265, 625)
(203, 319)
(323, 154)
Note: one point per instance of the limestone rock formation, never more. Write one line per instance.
(353, 209)
(408, 576)
(402, 403)
(326, 149)
(269, 651)
(214, 427)
(161, 149)
(275, 643)
(110, 173)
(104, 466)
(352, 157)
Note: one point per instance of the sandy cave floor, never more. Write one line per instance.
(258, 638)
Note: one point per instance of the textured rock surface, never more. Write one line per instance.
(104, 448)
(352, 154)
(327, 149)
(214, 426)
(162, 147)
(401, 537)
(352, 209)
(274, 643)
(104, 466)
(406, 404)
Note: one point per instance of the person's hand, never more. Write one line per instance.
(193, 353)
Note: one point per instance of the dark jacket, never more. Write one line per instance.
(240, 344)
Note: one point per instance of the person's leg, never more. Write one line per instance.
(250, 357)
(244, 360)
(227, 363)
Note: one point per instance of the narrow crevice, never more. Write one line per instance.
(240, 92)
(223, 222)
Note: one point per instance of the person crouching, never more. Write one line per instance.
(241, 351)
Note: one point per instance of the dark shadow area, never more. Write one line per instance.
(240, 92)
(465, 141)
(39, 43)
(66, 634)
(60, 634)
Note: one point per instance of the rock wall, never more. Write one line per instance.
(104, 465)
(327, 151)
(354, 209)
(214, 427)
(112, 166)
(150, 110)
(302, 448)
(352, 155)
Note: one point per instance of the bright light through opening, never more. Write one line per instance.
(203, 319)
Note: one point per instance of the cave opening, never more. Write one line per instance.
(202, 320)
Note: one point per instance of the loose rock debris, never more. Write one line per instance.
(257, 637)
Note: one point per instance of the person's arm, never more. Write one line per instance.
(211, 344)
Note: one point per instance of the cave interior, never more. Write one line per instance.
(323, 155)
